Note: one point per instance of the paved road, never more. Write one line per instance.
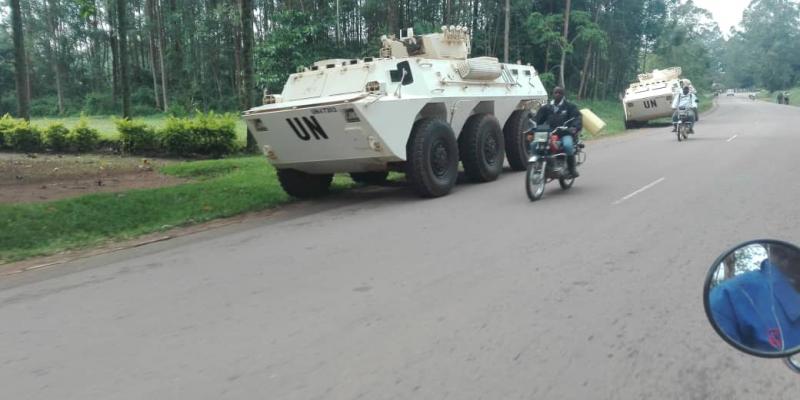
(588, 294)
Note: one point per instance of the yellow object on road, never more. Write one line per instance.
(592, 122)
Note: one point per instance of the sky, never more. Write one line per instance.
(727, 13)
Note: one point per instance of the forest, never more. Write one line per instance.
(142, 57)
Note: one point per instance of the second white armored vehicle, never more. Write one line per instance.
(421, 107)
(651, 97)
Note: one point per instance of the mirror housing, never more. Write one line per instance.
(752, 298)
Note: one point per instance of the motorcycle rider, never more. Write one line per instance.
(685, 100)
(556, 114)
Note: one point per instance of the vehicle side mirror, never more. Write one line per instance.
(752, 298)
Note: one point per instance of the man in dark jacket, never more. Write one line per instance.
(560, 112)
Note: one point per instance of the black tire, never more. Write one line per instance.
(370, 178)
(629, 125)
(535, 189)
(304, 185)
(432, 158)
(515, 141)
(482, 147)
(566, 183)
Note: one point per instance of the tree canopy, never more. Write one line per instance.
(184, 55)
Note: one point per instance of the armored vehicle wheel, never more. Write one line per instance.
(515, 140)
(369, 178)
(432, 158)
(303, 185)
(481, 147)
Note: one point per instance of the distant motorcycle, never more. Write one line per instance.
(685, 124)
(548, 161)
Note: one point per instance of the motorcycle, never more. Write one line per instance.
(747, 296)
(548, 161)
(685, 124)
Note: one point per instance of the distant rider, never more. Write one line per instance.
(780, 98)
(685, 100)
(556, 114)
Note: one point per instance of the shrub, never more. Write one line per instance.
(83, 138)
(178, 137)
(57, 137)
(6, 124)
(217, 134)
(136, 136)
(23, 137)
(207, 134)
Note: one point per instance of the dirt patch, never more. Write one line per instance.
(39, 178)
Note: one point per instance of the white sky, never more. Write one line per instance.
(727, 13)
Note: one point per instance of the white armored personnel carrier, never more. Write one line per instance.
(421, 107)
(651, 97)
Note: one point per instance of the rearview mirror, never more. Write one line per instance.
(752, 298)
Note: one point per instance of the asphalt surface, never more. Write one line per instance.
(594, 293)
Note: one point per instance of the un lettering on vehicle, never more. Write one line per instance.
(650, 104)
(307, 128)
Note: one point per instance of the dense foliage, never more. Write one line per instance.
(186, 55)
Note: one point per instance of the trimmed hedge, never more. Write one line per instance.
(57, 137)
(137, 137)
(205, 135)
(210, 135)
(20, 135)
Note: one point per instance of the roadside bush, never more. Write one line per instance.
(57, 137)
(83, 138)
(207, 134)
(6, 124)
(136, 137)
(24, 137)
(178, 137)
(216, 134)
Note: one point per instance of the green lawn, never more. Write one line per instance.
(222, 188)
(105, 124)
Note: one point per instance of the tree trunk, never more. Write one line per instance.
(52, 51)
(152, 33)
(246, 7)
(567, 9)
(505, 35)
(20, 62)
(123, 58)
(159, 11)
(585, 72)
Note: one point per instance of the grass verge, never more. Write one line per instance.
(221, 188)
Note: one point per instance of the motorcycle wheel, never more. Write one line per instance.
(566, 183)
(535, 180)
(680, 133)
